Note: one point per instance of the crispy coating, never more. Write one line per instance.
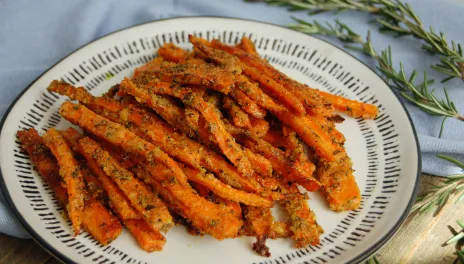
(71, 174)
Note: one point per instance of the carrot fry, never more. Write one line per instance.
(44, 161)
(224, 190)
(340, 186)
(117, 135)
(101, 223)
(239, 117)
(146, 235)
(148, 239)
(259, 127)
(295, 171)
(260, 163)
(247, 45)
(228, 62)
(306, 96)
(206, 216)
(171, 52)
(140, 197)
(71, 175)
(205, 75)
(310, 132)
(261, 220)
(215, 124)
(97, 220)
(152, 66)
(187, 150)
(305, 229)
(351, 107)
(80, 94)
(111, 93)
(252, 90)
(248, 105)
(280, 230)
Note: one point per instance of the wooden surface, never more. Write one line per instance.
(419, 240)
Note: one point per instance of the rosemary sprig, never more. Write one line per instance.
(418, 94)
(395, 17)
(372, 260)
(456, 239)
(440, 194)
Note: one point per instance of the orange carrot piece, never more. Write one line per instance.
(294, 171)
(185, 149)
(239, 117)
(225, 60)
(71, 175)
(247, 45)
(171, 52)
(147, 239)
(261, 220)
(215, 124)
(261, 165)
(204, 74)
(101, 223)
(97, 220)
(252, 90)
(117, 135)
(248, 105)
(206, 216)
(341, 189)
(308, 98)
(306, 230)
(310, 132)
(141, 198)
(275, 89)
(259, 127)
(44, 162)
(152, 66)
(224, 190)
(82, 95)
(351, 107)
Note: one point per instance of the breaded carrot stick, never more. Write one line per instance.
(351, 107)
(145, 202)
(261, 165)
(295, 171)
(97, 220)
(208, 217)
(215, 125)
(44, 161)
(228, 62)
(306, 230)
(117, 135)
(71, 175)
(341, 189)
(186, 149)
(171, 52)
(275, 89)
(82, 95)
(224, 190)
(239, 117)
(312, 102)
(100, 223)
(148, 239)
(146, 235)
(259, 127)
(310, 132)
(261, 220)
(248, 105)
(204, 74)
(252, 90)
(247, 45)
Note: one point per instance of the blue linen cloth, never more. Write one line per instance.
(36, 34)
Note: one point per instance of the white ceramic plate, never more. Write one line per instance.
(384, 151)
